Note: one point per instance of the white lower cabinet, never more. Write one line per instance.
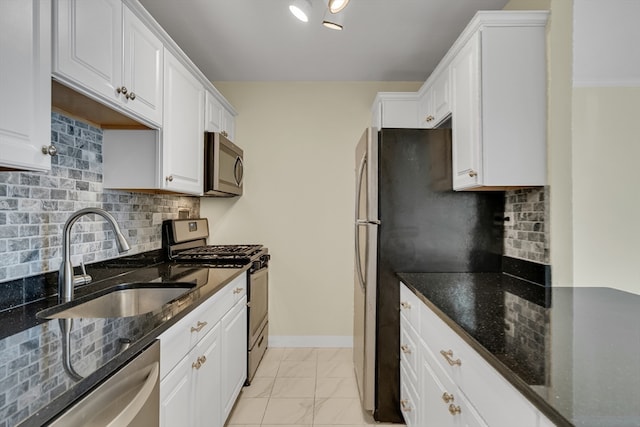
(442, 403)
(445, 392)
(190, 393)
(234, 356)
(203, 360)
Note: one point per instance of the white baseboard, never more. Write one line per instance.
(336, 341)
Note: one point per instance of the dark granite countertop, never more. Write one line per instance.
(34, 385)
(574, 352)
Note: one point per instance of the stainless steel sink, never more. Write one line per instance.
(119, 301)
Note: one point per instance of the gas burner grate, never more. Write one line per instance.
(219, 253)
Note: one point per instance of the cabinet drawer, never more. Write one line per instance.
(443, 404)
(178, 340)
(408, 348)
(408, 401)
(497, 401)
(410, 306)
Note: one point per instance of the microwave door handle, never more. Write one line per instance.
(238, 170)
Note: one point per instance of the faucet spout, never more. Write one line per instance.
(66, 276)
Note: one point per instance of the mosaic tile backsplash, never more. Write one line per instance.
(34, 207)
(526, 236)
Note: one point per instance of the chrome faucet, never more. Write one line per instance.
(67, 280)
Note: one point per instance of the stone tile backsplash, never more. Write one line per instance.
(526, 235)
(34, 207)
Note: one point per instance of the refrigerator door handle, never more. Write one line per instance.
(360, 222)
(367, 222)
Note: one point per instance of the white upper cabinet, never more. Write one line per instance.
(170, 159)
(105, 52)
(25, 84)
(218, 118)
(143, 68)
(498, 75)
(183, 129)
(434, 103)
(395, 110)
(466, 116)
(493, 85)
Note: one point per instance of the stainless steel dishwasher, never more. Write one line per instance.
(130, 397)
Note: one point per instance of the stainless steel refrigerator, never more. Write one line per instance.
(408, 219)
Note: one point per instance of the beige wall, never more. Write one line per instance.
(559, 142)
(299, 140)
(606, 200)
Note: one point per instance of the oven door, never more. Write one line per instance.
(258, 303)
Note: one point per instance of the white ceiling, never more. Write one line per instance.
(259, 40)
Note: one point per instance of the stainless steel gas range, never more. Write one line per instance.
(186, 242)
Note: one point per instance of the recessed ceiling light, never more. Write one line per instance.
(333, 21)
(336, 6)
(301, 9)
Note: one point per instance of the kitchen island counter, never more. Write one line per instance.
(34, 385)
(574, 352)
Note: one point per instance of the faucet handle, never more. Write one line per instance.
(82, 279)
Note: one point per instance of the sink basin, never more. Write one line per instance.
(125, 300)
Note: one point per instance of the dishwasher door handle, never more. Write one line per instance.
(127, 415)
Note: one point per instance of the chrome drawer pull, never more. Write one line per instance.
(238, 290)
(448, 398)
(405, 349)
(199, 327)
(448, 355)
(405, 305)
(454, 410)
(405, 405)
(199, 362)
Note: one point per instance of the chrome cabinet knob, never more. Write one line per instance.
(453, 409)
(169, 178)
(405, 349)
(50, 150)
(130, 96)
(123, 90)
(430, 118)
(224, 133)
(473, 173)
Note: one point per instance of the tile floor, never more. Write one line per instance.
(302, 387)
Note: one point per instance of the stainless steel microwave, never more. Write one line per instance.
(223, 167)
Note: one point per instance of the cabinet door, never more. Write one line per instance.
(466, 132)
(443, 404)
(207, 372)
(228, 125)
(234, 354)
(25, 84)
(176, 390)
(425, 109)
(88, 45)
(441, 94)
(143, 68)
(213, 114)
(183, 131)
